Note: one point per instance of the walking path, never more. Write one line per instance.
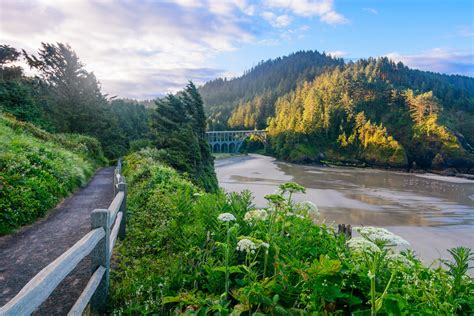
(25, 253)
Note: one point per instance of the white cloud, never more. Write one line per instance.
(276, 20)
(337, 53)
(324, 9)
(134, 48)
(371, 10)
(439, 60)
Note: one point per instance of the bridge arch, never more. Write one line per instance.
(224, 148)
(230, 141)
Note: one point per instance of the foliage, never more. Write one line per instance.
(247, 101)
(37, 169)
(311, 102)
(356, 114)
(178, 129)
(196, 253)
(66, 98)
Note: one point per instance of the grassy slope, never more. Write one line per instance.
(38, 169)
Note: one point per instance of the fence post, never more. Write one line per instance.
(122, 186)
(100, 257)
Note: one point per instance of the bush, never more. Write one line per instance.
(37, 169)
(214, 254)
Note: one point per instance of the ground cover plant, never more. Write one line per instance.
(196, 253)
(37, 169)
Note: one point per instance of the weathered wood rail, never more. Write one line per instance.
(106, 226)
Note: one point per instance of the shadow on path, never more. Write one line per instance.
(25, 253)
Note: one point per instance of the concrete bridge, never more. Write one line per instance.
(230, 141)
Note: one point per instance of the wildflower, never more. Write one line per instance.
(275, 199)
(397, 259)
(255, 215)
(311, 208)
(246, 245)
(226, 217)
(292, 187)
(264, 244)
(360, 244)
(377, 235)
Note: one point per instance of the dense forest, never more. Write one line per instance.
(254, 93)
(372, 111)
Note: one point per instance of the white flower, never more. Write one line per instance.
(264, 244)
(291, 214)
(310, 207)
(398, 259)
(377, 234)
(360, 244)
(226, 217)
(255, 215)
(246, 245)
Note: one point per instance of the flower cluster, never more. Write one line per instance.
(397, 259)
(310, 207)
(246, 245)
(382, 235)
(360, 245)
(226, 217)
(255, 215)
(292, 187)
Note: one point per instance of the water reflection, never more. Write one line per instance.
(360, 196)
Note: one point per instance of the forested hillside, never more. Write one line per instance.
(372, 111)
(248, 101)
(376, 112)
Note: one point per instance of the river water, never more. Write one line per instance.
(431, 212)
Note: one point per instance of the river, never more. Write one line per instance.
(431, 212)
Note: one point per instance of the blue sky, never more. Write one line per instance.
(142, 49)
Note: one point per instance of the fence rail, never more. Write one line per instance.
(106, 226)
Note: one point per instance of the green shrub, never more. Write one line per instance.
(198, 253)
(37, 169)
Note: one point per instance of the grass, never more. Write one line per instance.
(38, 169)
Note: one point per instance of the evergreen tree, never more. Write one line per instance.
(178, 128)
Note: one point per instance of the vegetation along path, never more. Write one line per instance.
(26, 252)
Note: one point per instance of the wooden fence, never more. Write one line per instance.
(106, 226)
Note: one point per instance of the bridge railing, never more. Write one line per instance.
(106, 226)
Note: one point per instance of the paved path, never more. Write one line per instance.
(25, 253)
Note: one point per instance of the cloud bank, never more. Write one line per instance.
(439, 60)
(143, 49)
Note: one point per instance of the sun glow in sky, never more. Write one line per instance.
(142, 49)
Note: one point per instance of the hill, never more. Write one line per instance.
(372, 111)
(256, 90)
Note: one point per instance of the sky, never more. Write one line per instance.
(143, 49)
